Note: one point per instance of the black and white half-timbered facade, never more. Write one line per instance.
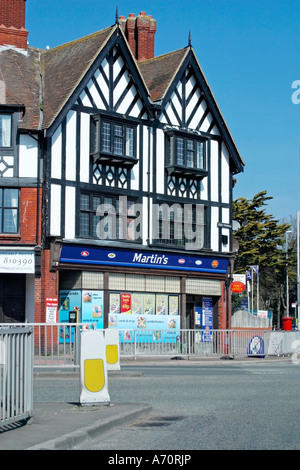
(138, 168)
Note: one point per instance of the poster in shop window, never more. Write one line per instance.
(173, 305)
(161, 304)
(114, 303)
(69, 301)
(92, 307)
(137, 304)
(207, 315)
(125, 303)
(149, 304)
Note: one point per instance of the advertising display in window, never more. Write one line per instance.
(156, 315)
(92, 307)
(207, 316)
(88, 306)
(69, 301)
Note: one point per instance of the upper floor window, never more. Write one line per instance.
(180, 225)
(185, 154)
(109, 217)
(9, 210)
(5, 130)
(113, 140)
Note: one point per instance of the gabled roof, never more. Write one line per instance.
(63, 68)
(158, 73)
(42, 81)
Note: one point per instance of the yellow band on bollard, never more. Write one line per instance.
(94, 377)
(111, 353)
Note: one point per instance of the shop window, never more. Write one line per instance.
(9, 210)
(186, 155)
(108, 217)
(143, 303)
(113, 140)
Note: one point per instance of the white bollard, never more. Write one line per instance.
(112, 349)
(93, 371)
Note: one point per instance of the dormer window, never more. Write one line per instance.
(5, 130)
(186, 154)
(113, 141)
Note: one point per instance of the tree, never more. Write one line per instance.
(262, 241)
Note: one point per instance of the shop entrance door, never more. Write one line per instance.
(12, 298)
(190, 314)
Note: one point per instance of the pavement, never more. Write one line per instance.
(60, 424)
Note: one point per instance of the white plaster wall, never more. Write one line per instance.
(85, 148)
(214, 170)
(56, 154)
(71, 146)
(28, 157)
(70, 212)
(55, 210)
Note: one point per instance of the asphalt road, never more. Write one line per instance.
(231, 405)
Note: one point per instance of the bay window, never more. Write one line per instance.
(186, 154)
(113, 140)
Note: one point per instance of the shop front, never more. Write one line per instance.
(140, 290)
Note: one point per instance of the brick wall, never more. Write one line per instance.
(222, 308)
(12, 23)
(12, 13)
(140, 34)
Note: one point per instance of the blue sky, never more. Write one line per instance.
(249, 51)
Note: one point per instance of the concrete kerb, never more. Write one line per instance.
(80, 436)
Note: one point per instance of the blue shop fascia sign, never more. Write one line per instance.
(86, 255)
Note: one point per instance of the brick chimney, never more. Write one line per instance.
(140, 34)
(12, 23)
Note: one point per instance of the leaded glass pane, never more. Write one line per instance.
(5, 130)
(129, 142)
(84, 201)
(200, 155)
(179, 151)
(84, 224)
(105, 137)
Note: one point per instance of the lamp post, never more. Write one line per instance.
(287, 272)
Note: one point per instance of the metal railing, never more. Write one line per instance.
(58, 344)
(16, 374)
(191, 343)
